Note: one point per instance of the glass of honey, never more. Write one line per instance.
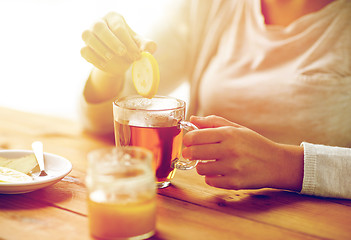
(121, 193)
(156, 124)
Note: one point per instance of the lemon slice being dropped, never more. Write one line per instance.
(146, 75)
(9, 175)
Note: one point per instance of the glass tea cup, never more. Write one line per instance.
(156, 124)
(121, 193)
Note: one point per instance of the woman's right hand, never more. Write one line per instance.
(111, 45)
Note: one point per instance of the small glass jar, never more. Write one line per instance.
(121, 193)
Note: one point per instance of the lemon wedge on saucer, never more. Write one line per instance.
(146, 75)
(9, 175)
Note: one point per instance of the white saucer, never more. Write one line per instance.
(56, 166)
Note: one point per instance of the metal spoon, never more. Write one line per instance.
(37, 147)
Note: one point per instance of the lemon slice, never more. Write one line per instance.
(146, 75)
(9, 175)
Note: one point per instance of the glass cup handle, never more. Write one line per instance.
(185, 164)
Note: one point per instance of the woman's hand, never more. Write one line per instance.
(111, 45)
(242, 158)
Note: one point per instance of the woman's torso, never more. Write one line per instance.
(291, 84)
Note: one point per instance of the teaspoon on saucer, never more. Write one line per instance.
(37, 147)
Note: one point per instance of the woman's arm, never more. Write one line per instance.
(111, 76)
(243, 159)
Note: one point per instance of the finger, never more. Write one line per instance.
(203, 152)
(121, 30)
(133, 50)
(145, 44)
(94, 43)
(213, 168)
(102, 32)
(202, 136)
(211, 122)
(92, 57)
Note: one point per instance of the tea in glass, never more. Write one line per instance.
(156, 124)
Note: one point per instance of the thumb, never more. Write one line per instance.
(211, 122)
(146, 45)
(149, 46)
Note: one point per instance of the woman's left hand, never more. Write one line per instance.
(241, 158)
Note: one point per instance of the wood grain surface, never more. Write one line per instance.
(188, 209)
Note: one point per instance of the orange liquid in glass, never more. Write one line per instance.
(164, 142)
(115, 220)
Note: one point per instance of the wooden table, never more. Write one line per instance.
(188, 209)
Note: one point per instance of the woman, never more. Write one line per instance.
(286, 78)
(281, 68)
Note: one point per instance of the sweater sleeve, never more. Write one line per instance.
(97, 118)
(326, 171)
